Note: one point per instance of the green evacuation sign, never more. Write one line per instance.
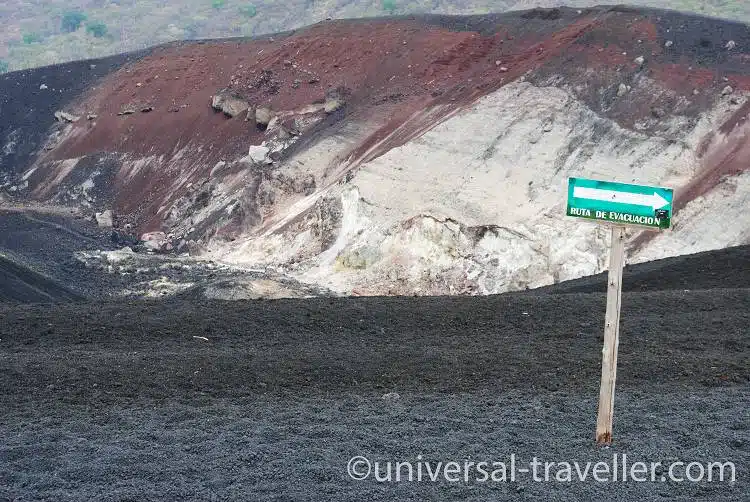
(620, 203)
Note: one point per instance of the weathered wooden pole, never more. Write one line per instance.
(611, 337)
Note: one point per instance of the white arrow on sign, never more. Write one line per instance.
(654, 200)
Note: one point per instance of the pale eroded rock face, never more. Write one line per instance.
(476, 204)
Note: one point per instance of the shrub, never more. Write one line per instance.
(72, 20)
(97, 29)
(4, 66)
(194, 30)
(249, 10)
(218, 4)
(389, 5)
(31, 38)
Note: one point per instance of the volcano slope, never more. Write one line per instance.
(416, 155)
(23, 285)
(268, 400)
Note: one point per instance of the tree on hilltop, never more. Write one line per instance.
(249, 10)
(389, 5)
(72, 20)
(97, 29)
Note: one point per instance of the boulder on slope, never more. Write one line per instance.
(105, 219)
(62, 116)
(230, 104)
(156, 241)
(263, 116)
(258, 154)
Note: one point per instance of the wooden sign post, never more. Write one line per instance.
(611, 337)
(620, 205)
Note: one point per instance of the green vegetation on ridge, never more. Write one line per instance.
(41, 32)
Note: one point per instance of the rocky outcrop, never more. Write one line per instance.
(263, 117)
(62, 116)
(258, 154)
(497, 223)
(105, 219)
(156, 242)
(230, 104)
(333, 105)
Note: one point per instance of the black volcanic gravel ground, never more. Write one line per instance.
(727, 268)
(121, 402)
(37, 263)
